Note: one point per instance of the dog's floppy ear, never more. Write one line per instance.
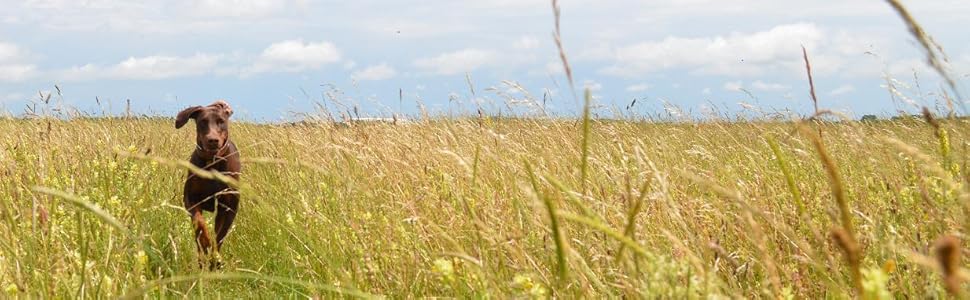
(224, 106)
(185, 115)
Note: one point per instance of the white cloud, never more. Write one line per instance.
(10, 20)
(236, 8)
(733, 86)
(154, 67)
(349, 65)
(759, 85)
(769, 87)
(411, 27)
(842, 90)
(10, 53)
(12, 97)
(102, 15)
(906, 68)
(638, 87)
(68, 4)
(286, 56)
(592, 85)
(960, 68)
(461, 61)
(526, 43)
(17, 72)
(294, 56)
(735, 54)
(13, 64)
(554, 68)
(161, 67)
(300, 52)
(706, 91)
(595, 52)
(94, 17)
(377, 72)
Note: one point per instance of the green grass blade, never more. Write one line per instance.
(87, 206)
(584, 168)
(138, 292)
(598, 226)
(796, 193)
(562, 269)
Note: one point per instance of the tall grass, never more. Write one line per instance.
(447, 208)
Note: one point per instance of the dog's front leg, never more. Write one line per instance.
(202, 240)
(225, 214)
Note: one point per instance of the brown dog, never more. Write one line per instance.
(213, 152)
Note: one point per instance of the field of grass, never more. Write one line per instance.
(528, 208)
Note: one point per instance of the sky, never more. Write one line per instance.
(279, 60)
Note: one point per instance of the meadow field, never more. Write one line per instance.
(494, 208)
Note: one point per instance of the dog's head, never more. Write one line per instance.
(211, 124)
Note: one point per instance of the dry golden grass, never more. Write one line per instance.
(462, 208)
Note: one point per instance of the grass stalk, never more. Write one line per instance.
(584, 167)
(562, 269)
(138, 292)
(796, 193)
(844, 236)
(86, 206)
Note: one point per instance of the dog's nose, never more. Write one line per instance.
(212, 143)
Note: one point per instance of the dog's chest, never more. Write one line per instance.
(197, 185)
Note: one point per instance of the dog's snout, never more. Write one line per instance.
(212, 142)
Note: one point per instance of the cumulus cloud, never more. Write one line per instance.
(554, 67)
(638, 87)
(13, 64)
(12, 97)
(958, 67)
(237, 8)
(592, 85)
(526, 43)
(750, 54)
(152, 17)
(286, 56)
(300, 52)
(457, 62)
(17, 72)
(376, 72)
(733, 86)
(154, 67)
(769, 87)
(349, 65)
(842, 90)
(757, 85)
(294, 56)
(10, 52)
(411, 27)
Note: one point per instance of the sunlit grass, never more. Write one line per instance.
(462, 208)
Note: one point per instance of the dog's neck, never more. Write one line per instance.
(211, 156)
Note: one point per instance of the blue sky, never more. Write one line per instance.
(272, 58)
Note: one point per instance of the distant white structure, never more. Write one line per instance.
(372, 120)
